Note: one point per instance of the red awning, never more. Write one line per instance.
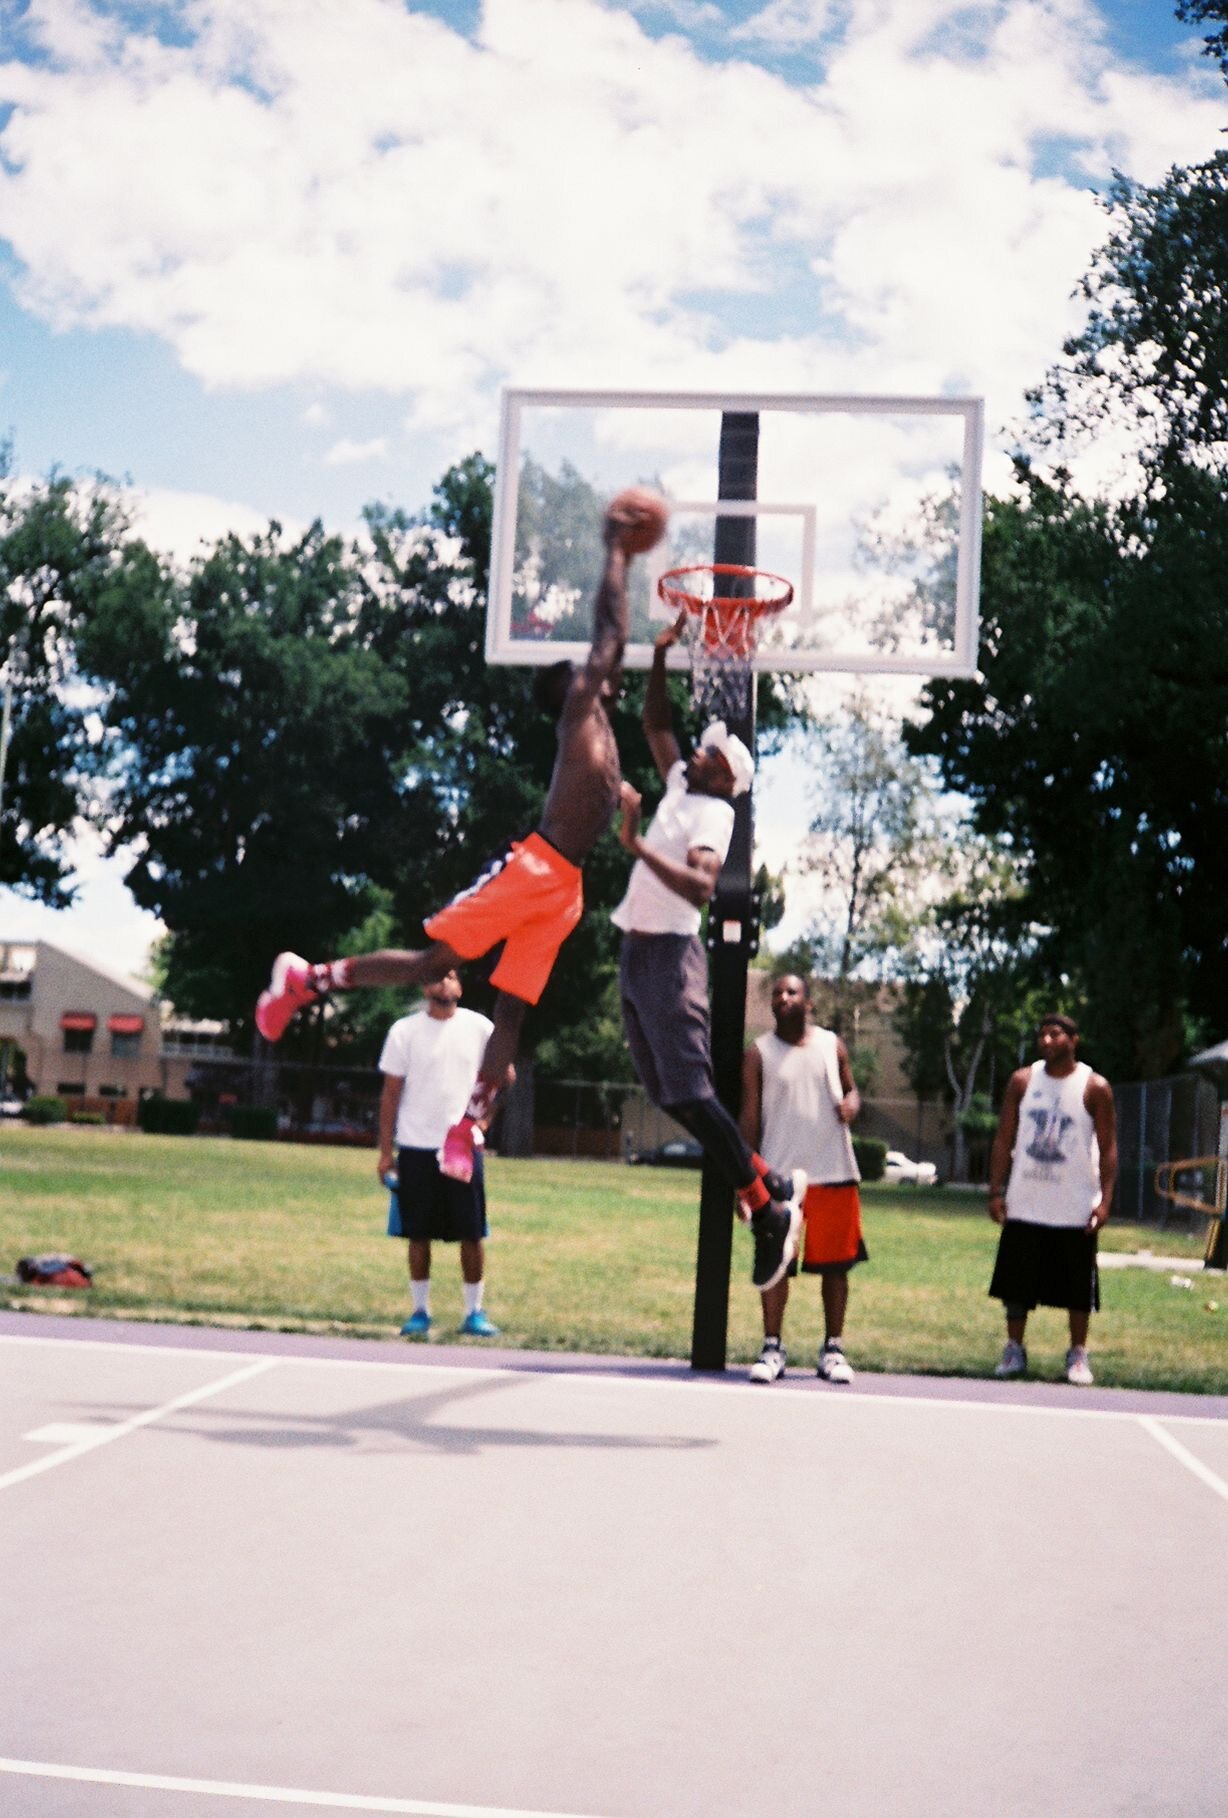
(78, 1019)
(126, 1025)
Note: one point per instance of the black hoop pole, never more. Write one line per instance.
(733, 929)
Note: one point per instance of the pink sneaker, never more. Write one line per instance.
(290, 988)
(460, 1145)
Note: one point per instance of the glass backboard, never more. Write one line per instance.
(870, 506)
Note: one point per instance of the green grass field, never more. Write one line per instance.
(582, 1256)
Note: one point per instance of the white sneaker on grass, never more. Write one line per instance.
(1078, 1370)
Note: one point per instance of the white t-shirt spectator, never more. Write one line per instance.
(438, 1058)
(682, 821)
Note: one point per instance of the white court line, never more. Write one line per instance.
(734, 1383)
(104, 1435)
(1187, 1458)
(272, 1795)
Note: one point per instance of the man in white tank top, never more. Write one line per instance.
(798, 1100)
(1052, 1172)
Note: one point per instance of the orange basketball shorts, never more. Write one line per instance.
(833, 1226)
(529, 897)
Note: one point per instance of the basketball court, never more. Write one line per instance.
(251, 1571)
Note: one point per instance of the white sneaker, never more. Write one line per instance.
(1078, 1370)
(1013, 1361)
(770, 1363)
(834, 1366)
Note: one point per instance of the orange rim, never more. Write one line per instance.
(671, 589)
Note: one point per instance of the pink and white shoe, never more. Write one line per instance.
(460, 1146)
(290, 990)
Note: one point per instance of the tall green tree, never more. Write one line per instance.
(68, 562)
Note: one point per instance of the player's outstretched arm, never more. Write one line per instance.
(658, 718)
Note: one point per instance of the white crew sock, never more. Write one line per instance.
(420, 1294)
(473, 1295)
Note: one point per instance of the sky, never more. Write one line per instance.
(277, 258)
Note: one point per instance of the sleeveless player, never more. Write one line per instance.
(1057, 1135)
(529, 895)
(798, 1100)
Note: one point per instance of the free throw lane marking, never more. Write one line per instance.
(272, 1795)
(1186, 1457)
(102, 1436)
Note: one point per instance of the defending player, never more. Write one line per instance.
(529, 895)
(663, 969)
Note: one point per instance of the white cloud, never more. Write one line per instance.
(184, 524)
(361, 198)
(316, 416)
(346, 453)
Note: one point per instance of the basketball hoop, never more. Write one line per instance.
(725, 604)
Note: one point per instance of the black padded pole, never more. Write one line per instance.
(733, 930)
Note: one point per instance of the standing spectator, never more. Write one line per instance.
(1057, 1136)
(798, 1100)
(429, 1061)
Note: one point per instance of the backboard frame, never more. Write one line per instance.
(958, 660)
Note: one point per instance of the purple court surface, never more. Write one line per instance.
(251, 1573)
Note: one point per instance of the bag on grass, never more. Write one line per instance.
(54, 1272)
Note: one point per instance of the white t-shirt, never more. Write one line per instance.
(438, 1058)
(682, 821)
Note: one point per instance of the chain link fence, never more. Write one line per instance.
(1162, 1120)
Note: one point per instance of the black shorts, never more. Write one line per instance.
(433, 1206)
(1046, 1266)
(663, 979)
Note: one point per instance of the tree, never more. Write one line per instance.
(1092, 745)
(966, 971)
(868, 849)
(67, 559)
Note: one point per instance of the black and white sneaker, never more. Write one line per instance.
(834, 1366)
(769, 1366)
(775, 1228)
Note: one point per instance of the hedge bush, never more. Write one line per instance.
(168, 1116)
(871, 1153)
(254, 1123)
(44, 1111)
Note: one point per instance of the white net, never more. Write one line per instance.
(724, 605)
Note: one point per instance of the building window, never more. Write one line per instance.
(125, 1047)
(71, 1088)
(14, 990)
(112, 1091)
(78, 1041)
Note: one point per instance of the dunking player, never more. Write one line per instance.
(663, 971)
(529, 896)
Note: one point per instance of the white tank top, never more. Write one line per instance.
(801, 1089)
(1055, 1169)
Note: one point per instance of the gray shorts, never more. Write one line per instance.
(664, 984)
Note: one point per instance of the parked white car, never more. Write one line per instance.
(918, 1174)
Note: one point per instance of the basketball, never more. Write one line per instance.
(645, 515)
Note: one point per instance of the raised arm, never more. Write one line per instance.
(610, 608)
(658, 719)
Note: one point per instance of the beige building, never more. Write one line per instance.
(90, 1036)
